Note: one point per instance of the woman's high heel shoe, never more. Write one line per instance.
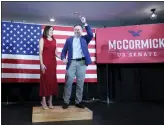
(44, 106)
(50, 105)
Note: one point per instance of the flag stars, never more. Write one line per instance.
(20, 38)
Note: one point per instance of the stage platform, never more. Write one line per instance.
(58, 114)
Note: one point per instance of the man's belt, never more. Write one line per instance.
(79, 59)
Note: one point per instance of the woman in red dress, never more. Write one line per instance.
(48, 78)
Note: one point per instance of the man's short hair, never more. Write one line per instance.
(78, 25)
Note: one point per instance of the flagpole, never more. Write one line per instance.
(107, 85)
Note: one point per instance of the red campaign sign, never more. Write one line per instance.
(130, 44)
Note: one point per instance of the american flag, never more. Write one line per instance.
(20, 52)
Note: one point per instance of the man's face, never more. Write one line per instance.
(78, 30)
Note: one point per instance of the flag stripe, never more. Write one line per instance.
(26, 71)
(20, 61)
(27, 57)
(37, 71)
(37, 76)
(30, 57)
(23, 57)
(20, 80)
(35, 66)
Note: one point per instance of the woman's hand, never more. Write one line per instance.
(43, 68)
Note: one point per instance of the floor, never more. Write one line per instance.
(112, 114)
